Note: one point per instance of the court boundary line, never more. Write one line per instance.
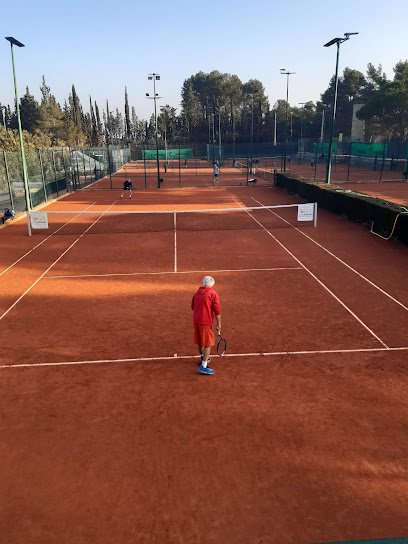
(338, 259)
(318, 280)
(43, 241)
(195, 356)
(172, 272)
(51, 265)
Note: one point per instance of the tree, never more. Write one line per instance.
(127, 117)
(351, 87)
(51, 119)
(387, 106)
(29, 112)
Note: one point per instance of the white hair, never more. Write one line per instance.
(208, 281)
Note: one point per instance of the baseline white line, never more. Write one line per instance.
(49, 268)
(338, 259)
(175, 242)
(226, 356)
(320, 282)
(45, 239)
(171, 272)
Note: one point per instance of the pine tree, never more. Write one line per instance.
(51, 119)
(127, 118)
(29, 112)
(94, 127)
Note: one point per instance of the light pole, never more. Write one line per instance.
(155, 96)
(322, 127)
(213, 137)
(252, 129)
(163, 109)
(274, 131)
(336, 41)
(291, 126)
(4, 117)
(13, 41)
(286, 73)
(219, 135)
(301, 127)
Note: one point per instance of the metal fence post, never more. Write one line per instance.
(42, 176)
(55, 172)
(8, 180)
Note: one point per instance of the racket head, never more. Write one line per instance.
(221, 346)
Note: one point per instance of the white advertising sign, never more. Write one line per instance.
(305, 212)
(39, 220)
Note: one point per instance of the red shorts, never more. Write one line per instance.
(203, 335)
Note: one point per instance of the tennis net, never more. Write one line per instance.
(256, 173)
(202, 220)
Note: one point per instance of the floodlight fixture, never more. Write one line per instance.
(15, 42)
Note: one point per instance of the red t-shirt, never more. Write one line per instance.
(205, 305)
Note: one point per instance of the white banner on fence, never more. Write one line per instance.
(305, 212)
(39, 220)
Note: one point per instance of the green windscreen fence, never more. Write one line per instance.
(323, 148)
(182, 153)
(368, 150)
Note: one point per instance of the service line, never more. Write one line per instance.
(176, 357)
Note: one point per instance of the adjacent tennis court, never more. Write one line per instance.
(109, 434)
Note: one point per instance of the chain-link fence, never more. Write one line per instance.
(52, 172)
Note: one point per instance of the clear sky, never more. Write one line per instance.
(102, 46)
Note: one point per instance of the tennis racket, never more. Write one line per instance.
(221, 346)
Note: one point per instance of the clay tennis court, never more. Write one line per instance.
(109, 434)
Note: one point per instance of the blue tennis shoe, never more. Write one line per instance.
(205, 370)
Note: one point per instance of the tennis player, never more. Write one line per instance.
(216, 172)
(205, 306)
(127, 186)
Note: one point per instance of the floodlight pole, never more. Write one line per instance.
(252, 131)
(13, 41)
(301, 126)
(4, 117)
(285, 72)
(163, 109)
(155, 77)
(336, 41)
(274, 131)
(322, 127)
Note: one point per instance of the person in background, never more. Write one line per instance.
(205, 306)
(216, 172)
(8, 213)
(127, 186)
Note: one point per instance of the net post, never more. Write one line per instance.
(315, 215)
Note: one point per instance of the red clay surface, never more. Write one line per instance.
(284, 447)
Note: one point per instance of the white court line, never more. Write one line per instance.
(45, 239)
(320, 282)
(49, 268)
(223, 357)
(338, 259)
(171, 272)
